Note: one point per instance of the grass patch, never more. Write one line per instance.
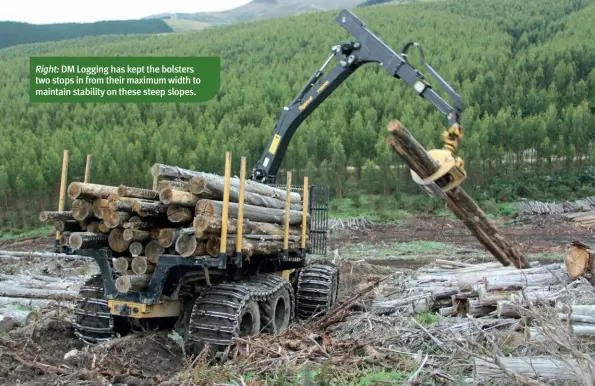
(44, 231)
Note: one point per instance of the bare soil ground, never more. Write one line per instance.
(35, 355)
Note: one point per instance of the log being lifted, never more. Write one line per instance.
(161, 170)
(251, 212)
(458, 201)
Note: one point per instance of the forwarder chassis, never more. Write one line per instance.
(216, 299)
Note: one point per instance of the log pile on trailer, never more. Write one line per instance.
(183, 214)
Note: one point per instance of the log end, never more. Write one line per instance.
(165, 195)
(74, 190)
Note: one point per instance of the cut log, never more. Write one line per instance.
(159, 170)
(93, 227)
(173, 184)
(147, 208)
(10, 291)
(136, 248)
(82, 210)
(98, 205)
(88, 240)
(88, 191)
(458, 201)
(128, 191)
(56, 215)
(124, 204)
(140, 265)
(67, 226)
(171, 196)
(153, 250)
(168, 236)
(116, 240)
(138, 225)
(212, 224)
(115, 219)
(544, 368)
(249, 247)
(122, 264)
(179, 214)
(127, 283)
(33, 303)
(21, 318)
(212, 187)
(103, 228)
(136, 235)
(251, 212)
(579, 261)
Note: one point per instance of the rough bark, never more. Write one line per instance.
(90, 191)
(250, 186)
(136, 235)
(212, 224)
(173, 184)
(10, 291)
(124, 204)
(249, 247)
(67, 226)
(212, 186)
(545, 368)
(251, 212)
(128, 191)
(458, 201)
(146, 208)
(21, 318)
(80, 240)
(64, 215)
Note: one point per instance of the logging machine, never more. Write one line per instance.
(214, 299)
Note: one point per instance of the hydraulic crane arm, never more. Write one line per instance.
(351, 55)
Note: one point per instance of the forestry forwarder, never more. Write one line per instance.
(216, 299)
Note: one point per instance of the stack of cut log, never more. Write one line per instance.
(478, 290)
(181, 215)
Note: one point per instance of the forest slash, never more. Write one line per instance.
(405, 326)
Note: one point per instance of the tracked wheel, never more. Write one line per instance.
(260, 303)
(92, 321)
(276, 312)
(317, 289)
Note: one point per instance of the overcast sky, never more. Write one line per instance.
(63, 11)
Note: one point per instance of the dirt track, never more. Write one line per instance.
(34, 355)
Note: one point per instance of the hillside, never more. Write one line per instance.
(262, 9)
(14, 33)
(524, 70)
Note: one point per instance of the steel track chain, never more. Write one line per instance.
(216, 313)
(317, 289)
(92, 321)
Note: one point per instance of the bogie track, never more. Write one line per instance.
(92, 321)
(239, 308)
(317, 289)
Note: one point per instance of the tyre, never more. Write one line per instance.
(276, 312)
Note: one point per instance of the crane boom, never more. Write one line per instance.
(351, 55)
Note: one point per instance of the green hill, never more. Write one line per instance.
(14, 33)
(524, 70)
(262, 9)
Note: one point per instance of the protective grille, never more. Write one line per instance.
(318, 207)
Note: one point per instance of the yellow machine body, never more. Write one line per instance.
(170, 308)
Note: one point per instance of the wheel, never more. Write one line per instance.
(221, 313)
(92, 321)
(276, 312)
(317, 290)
